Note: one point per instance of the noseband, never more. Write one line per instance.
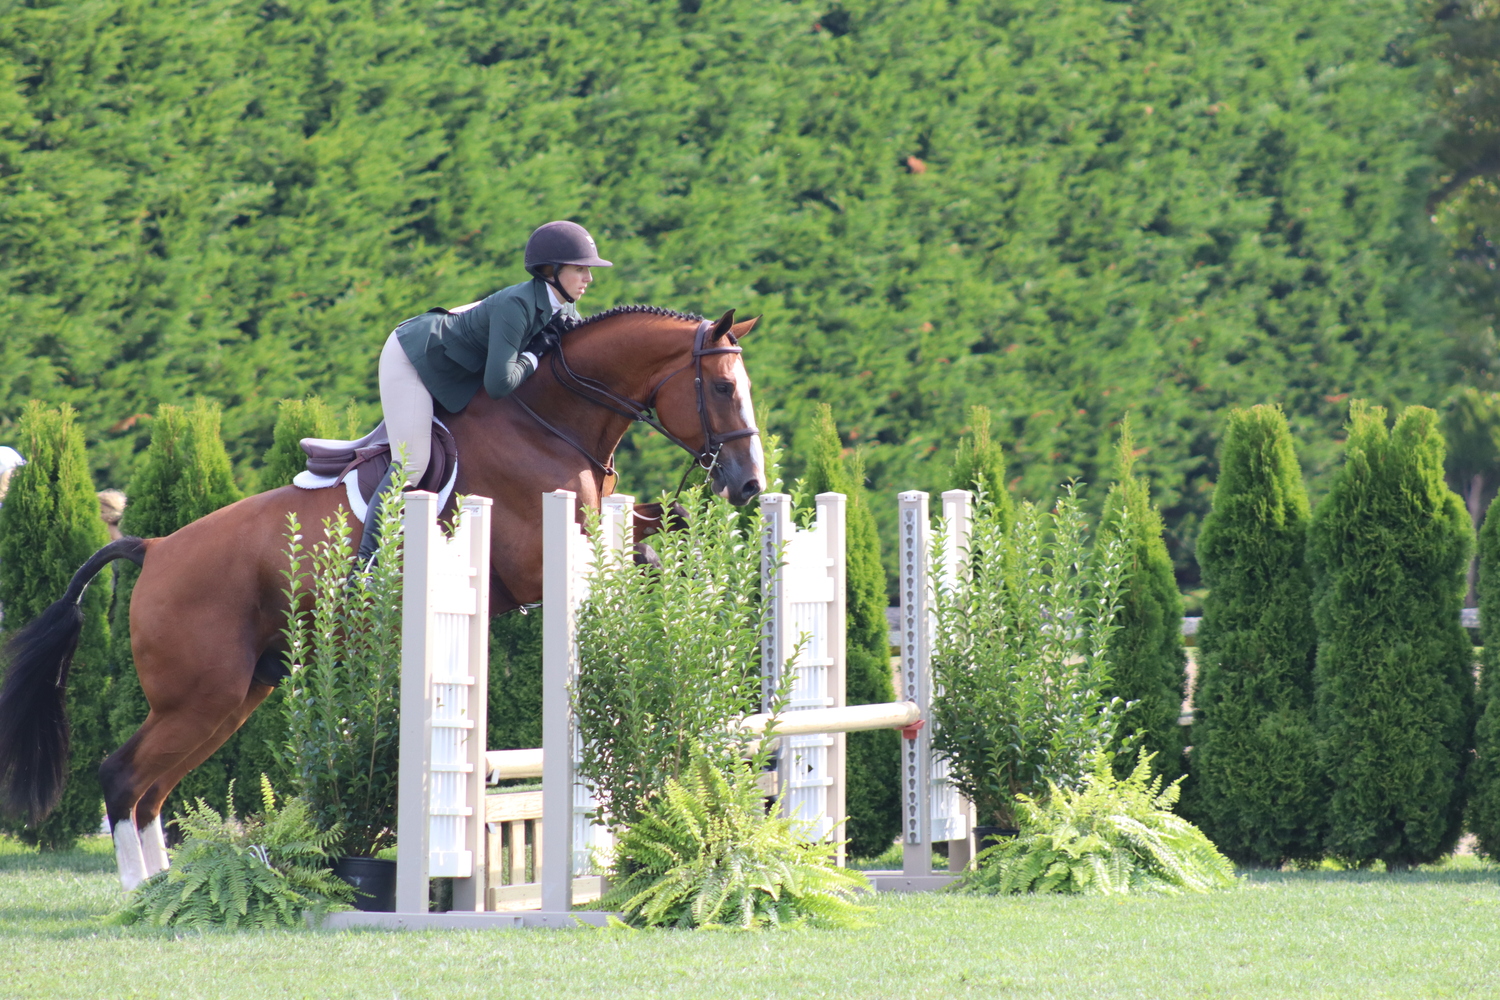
(596, 392)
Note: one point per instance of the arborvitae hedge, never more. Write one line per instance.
(295, 419)
(1065, 211)
(979, 466)
(1258, 787)
(1484, 772)
(874, 758)
(1148, 665)
(184, 476)
(49, 525)
(1394, 681)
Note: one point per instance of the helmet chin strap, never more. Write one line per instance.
(555, 283)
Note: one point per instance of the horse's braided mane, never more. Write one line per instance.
(641, 310)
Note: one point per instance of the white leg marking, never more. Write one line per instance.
(128, 858)
(154, 848)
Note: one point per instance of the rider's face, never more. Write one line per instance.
(575, 279)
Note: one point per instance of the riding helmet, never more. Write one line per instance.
(562, 243)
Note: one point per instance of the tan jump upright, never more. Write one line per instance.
(803, 577)
(568, 836)
(444, 684)
(441, 809)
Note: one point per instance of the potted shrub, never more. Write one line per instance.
(1019, 657)
(343, 695)
(669, 656)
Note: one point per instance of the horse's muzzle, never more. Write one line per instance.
(739, 478)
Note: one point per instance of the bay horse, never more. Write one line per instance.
(207, 611)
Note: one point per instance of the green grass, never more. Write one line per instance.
(1429, 933)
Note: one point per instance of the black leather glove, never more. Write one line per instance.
(550, 335)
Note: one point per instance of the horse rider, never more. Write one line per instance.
(447, 355)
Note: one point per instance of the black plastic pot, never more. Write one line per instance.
(374, 882)
(989, 836)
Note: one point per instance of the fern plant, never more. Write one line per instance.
(704, 853)
(1108, 837)
(263, 872)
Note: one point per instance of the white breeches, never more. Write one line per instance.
(408, 409)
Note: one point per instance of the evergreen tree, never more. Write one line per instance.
(1258, 786)
(49, 526)
(1148, 664)
(874, 758)
(979, 466)
(1394, 683)
(1484, 772)
(295, 419)
(185, 475)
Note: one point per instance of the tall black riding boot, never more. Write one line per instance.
(370, 540)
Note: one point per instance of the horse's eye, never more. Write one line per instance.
(724, 388)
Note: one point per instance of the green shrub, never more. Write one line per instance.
(1258, 787)
(1063, 254)
(668, 656)
(343, 693)
(49, 526)
(266, 871)
(979, 466)
(1019, 656)
(704, 852)
(1484, 772)
(295, 419)
(1147, 661)
(257, 747)
(873, 792)
(185, 475)
(1111, 836)
(1394, 682)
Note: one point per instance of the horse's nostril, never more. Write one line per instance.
(751, 487)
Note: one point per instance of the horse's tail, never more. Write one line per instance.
(34, 732)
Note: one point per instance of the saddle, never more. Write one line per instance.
(362, 463)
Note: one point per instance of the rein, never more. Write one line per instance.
(593, 391)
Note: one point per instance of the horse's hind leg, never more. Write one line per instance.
(148, 809)
(165, 742)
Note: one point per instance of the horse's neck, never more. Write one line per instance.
(630, 354)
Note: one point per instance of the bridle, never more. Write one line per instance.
(596, 392)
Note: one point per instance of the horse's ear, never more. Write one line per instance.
(740, 329)
(723, 326)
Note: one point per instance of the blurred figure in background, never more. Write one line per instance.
(10, 461)
(111, 509)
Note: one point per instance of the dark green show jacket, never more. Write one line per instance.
(457, 352)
